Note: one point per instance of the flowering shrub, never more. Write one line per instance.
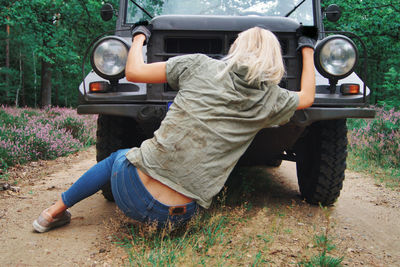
(29, 134)
(377, 139)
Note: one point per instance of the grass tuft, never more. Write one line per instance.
(324, 244)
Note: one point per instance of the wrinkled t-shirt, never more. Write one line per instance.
(209, 125)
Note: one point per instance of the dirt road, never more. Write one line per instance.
(366, 216)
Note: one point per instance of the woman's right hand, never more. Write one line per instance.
(307, 86)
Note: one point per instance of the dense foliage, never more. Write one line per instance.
(378, 24)
(33, 134)
(46, 40)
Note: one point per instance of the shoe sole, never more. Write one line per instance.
(42, 229)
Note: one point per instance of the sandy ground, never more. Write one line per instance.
(366, 216)
(83, 243)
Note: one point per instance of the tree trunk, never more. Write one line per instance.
(56, 92)
(20, 79)
(46, 84)
(7, 52)
(23, 95)
(34, 78)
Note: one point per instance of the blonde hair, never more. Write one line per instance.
(259, 50)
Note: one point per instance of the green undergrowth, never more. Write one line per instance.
(374, 146)
(28, 135)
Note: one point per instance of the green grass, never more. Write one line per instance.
(216, 238)
(231, 234)
(388, 176)
(202, 242)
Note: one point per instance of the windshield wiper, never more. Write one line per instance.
(294, 9)
(141, 8)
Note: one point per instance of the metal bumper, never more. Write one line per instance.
(146, 112)
(307, 116)
(140, 112)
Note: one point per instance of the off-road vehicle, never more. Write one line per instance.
(315, 138)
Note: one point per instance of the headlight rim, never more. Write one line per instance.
(317, 54)
(96, 70)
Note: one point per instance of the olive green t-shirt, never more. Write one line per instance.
(209, 126)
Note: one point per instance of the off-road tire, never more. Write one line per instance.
(321, 161)
(113, 133)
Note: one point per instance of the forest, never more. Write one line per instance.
(42, 43)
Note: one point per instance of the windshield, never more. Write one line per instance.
(303, 13)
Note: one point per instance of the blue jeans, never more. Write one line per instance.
(129, 192)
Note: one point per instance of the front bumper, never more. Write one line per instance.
(144, 112)
(141, 112)
(307, 116)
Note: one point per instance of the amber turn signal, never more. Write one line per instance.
(99, 87)
(350, 89)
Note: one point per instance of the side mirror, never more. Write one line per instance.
(107, 12)
(333, 13)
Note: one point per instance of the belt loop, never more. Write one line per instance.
(151, 204)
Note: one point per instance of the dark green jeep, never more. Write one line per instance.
(315, 138)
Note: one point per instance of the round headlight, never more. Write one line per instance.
(109, 57)
(336, 56)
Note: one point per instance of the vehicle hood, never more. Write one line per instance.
(223, 23)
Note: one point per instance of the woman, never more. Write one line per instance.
(219, 108)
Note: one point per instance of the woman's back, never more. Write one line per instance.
(209, 126)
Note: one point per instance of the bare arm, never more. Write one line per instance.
(138, 71)
(307, 86)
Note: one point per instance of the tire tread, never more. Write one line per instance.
(321, 175)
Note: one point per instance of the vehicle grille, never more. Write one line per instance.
(193, 45)
(164, 45)
(209, 46)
